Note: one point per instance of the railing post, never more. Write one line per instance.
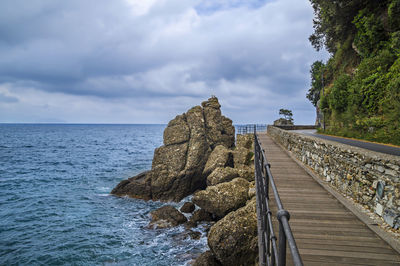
(282, 214)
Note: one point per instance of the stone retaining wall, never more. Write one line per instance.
(355, 172)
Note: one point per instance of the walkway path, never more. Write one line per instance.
(325, 231)
(357, 143)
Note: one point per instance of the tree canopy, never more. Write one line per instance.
(361, 79)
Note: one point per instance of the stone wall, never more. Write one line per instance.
(361, 174)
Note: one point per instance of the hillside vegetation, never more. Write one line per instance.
(358, 88)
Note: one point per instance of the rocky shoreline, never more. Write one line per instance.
(200, 158)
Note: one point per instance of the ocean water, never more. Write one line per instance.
(55, 207)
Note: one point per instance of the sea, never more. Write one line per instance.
(55, 202)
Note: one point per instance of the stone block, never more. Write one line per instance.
(392, 218)
(379, 209)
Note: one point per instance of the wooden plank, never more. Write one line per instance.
(325, 231)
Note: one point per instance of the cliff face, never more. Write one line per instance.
(177, 168)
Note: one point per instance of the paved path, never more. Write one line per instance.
(326, 232)
(357, 143)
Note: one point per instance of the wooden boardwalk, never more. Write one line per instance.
(325, 231)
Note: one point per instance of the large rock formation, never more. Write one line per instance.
(178, 165)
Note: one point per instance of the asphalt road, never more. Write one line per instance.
(357, 143)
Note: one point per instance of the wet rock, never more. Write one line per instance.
(166, 216)
(233, 239)
(222, 174)
(199, 216)
(206, 259)
(219, 157)
(177, 168)
(188, 207)
(194, 234)
(223, 198)
(135, 187)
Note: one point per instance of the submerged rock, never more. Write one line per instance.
(166, 216)
(178, 165)
(188, 207)
(223, 198)
(233, 239)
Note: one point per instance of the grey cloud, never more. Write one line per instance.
(7, 99)
(178, 48)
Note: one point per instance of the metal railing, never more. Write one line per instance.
(249, 129)
(272, 248)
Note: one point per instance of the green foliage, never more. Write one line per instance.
(370, 35)
(361, 86)
(286, 113)
(337, 99)
(314, 92)
(394, 15)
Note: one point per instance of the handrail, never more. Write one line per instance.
(248, 129)
(272, 251)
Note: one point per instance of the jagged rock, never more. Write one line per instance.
(177, 168)
(206, 259)
(222, 174)
(135, 187)
(199, 216)
(223, 198)
(219, 128)
(177, 131)
(245, 141)
(166, 216)
(219, 157)
(188, 207)
(246, 172)
(242, 156)
(233, 239)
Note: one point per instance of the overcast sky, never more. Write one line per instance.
(145, 61)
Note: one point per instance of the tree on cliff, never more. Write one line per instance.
(361, 79)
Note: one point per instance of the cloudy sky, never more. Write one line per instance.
(145, 61)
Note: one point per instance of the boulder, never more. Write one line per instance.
(222, 174)
(223, 198)
(245, 141)
(200, 216)
(233, 239)
(178, 165)
(188, 207)
(135, 187)
(242, 156)
(206, 259)
(246, 172)
(219, 157)
(166, 216)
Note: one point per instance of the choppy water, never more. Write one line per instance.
(55, 206)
